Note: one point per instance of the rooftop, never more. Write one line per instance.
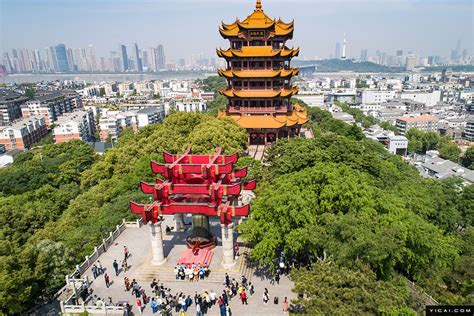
(418, 118)
(445, 169)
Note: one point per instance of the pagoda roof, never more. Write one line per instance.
(263, 93)
(258, 73)
(258, 51)
(298, 116)
(256, 20)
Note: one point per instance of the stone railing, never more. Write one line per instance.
(94, 310)
(65, 295)
(429, 300)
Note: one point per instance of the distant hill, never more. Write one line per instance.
(336, 65)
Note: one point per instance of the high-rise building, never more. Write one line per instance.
(139, 64)
(410, 62)
(70, 58)
(61, 57)
(259, 78)
(115, 61)
(91, 61)
(337, 53)
(363, 55)
(123, 57)
(145, 64)
(344, 48)
(160, 58)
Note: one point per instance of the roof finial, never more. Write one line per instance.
(259, 5)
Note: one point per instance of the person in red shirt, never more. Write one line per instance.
(243, 297)
(107, 280)
(138, 303)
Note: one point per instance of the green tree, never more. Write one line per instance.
(328, 288)
(468, 158)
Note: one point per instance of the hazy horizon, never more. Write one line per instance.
(190, 27)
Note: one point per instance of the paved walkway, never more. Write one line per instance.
(138, 243)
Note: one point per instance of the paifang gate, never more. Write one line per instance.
(201, 185)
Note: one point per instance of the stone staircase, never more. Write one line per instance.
(166, 274)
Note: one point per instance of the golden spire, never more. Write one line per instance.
(259, 5)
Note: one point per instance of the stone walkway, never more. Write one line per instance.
(138, 243)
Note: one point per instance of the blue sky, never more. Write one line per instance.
(188, 27)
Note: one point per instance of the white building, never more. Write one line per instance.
(428, 98)
(191, 105)
(427, 123)
(75, 125)
(313, 100)
(397, 145)
(377, 97)
(150, 115)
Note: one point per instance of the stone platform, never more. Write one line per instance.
(138, 242)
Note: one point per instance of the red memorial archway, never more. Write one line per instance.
(205, 185)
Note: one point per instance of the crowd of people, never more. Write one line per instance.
(193, 272)
(162, 301)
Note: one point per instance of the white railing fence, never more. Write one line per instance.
(66, 302)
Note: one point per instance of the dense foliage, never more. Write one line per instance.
(66, 200)
(214, 83)
(373, 215)
(420, 142)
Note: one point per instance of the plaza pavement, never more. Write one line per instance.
(137, 241)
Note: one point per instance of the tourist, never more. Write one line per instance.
(277, 277)
(126, 282)
(107, 280)
(213, 297)
(251, 288)
(153, 306)
(176, 272)
(243, 298)
(265, 297)
(116, 267)
(94, 271)
(126, 254)
(99, 303)
(228, 311)
(136, 289)
(138, 303)
(225, 298)
(124, 266)
(223, 310)
(188, 301)
(198, 310)
(227, 280)
(100, 268)
(244, 281)
(144, 298)
(154, 287)
(285, 305)
(182, 312)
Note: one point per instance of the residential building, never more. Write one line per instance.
(20, 135)
(51, 105)
(428, 98)
(150, 115)
(10, 106)
(377, 97)
(441, 169)
(427, 123)
(191, 105)
(469, 130)
(74, 125)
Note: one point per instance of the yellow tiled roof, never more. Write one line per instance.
(258, 51)
(259, 93)
(257, 20)
(298, 116)
(258, 73)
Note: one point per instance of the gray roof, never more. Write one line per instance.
(149, 110)
(49, 96)
(445, 169)
(8, 95)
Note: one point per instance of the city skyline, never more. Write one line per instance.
(152, 23)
